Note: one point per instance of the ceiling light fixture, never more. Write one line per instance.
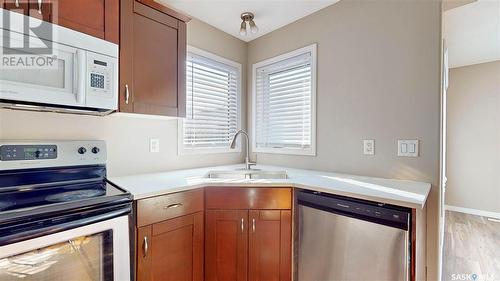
(247, 17)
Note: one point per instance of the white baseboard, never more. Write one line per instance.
(473, 211)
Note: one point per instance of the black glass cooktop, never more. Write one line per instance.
(67, 189)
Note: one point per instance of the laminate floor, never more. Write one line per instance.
(471, 248)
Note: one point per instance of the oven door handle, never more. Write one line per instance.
(17, 233)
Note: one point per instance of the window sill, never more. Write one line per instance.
(197, 151)
(286, 151)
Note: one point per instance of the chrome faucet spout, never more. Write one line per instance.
(248, 164)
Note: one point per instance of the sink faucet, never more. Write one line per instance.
(248, 164)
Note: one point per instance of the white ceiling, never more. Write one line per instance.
(269, 14)
(472, 33)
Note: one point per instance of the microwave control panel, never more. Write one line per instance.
(100, 73)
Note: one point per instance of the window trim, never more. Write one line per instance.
(290, 151)
(181, 150)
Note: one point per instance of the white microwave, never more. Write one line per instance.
(79, 73)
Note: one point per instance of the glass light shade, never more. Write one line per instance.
(253, 27)
(243, 28)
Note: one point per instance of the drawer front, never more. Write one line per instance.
(248, 198)
(160, 208)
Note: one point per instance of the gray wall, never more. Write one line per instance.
(378, 78)
(128, 136)
(473, 150)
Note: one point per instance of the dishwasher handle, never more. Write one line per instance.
(385, 214)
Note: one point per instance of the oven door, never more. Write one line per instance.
(95, 252)
(57, 78)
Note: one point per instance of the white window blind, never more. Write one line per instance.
(211, 103)
(284, 104)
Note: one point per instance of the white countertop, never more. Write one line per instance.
(400, 192)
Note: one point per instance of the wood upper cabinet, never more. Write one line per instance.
(170, 249)
(252, 244)
(18, 6)
(98, 18)
(226, 251)
(152, 60)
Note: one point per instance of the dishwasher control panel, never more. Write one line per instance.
(386, 214)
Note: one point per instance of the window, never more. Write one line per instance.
(212, 103)
(284, 102)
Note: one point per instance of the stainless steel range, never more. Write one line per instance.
(60, 219)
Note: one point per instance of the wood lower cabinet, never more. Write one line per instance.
(251, 244)
(226, 250)
(152, 60)
(171, 249)
(269, 244)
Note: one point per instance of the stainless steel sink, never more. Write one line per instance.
(247, 174)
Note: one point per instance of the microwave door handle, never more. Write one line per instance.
(80, 76)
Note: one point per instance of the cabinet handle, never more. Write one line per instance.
(40, 7)
(145, 246)
(253, 225)
(127, 94)
(242, 227)
(173, 206)
(17, 3)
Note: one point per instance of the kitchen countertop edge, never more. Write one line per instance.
(156, 184)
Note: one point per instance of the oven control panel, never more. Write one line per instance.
(44, 154)
(27, 152)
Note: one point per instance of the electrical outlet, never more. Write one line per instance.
(369, 147)
(154, 145)
(408, 148)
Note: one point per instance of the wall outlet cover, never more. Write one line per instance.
(369, 147)
(408, 148)
(154, 145)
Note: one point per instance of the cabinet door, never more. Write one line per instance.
(18, 6)
(226, 248)
(98, 18)
(152, 61)
(143, 253)
(270, 246)
(175, 250)
(42, 10)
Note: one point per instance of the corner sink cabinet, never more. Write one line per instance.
(248, 234)
(217, 234)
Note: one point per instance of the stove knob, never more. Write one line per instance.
(82, 150)
(95, 150)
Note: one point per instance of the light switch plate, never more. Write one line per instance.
(408, 148)
(369, 147)
(154, 145)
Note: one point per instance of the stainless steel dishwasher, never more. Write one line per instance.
(342, 238)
